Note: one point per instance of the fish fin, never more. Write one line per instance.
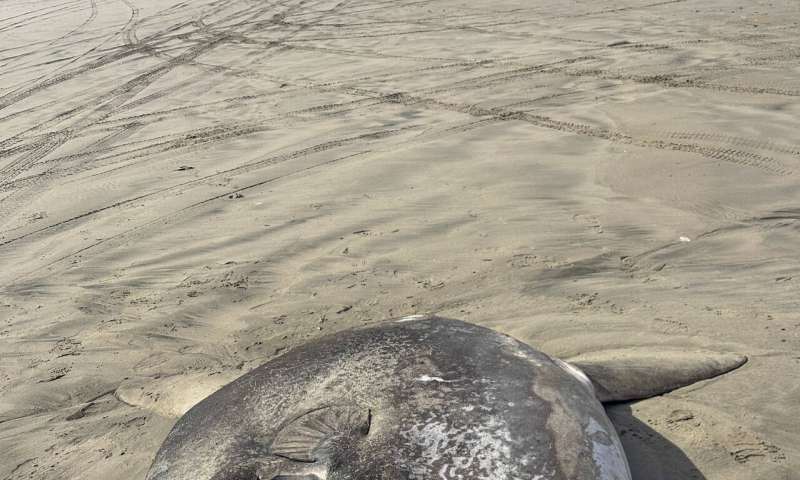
(634, 374)
(304, 438)
(174, 395)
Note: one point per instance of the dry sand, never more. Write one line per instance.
(187, 189)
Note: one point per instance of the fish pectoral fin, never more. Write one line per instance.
(306, 437)
(174, 395)
(633, 374)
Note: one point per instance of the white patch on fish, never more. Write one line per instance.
(607, 453)
(411, 318)
(428, 378)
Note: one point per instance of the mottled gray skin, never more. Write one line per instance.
(424, 398)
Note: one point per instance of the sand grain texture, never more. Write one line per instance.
(188, 189)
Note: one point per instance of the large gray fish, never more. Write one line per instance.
(421, 398)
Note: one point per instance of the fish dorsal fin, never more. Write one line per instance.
(174, 395)
(305, 438)
(633, 374)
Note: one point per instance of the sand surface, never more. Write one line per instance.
(187, 189)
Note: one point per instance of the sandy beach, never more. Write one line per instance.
(189, 189)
